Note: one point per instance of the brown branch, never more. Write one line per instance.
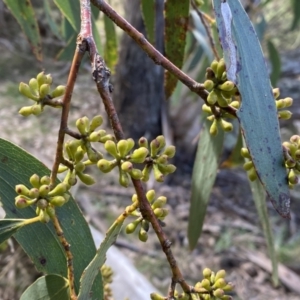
(210, 39)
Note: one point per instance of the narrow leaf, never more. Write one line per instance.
(275, 61)
(176, 23)
(259, 197)
(53, 26)
(24, 14)
(257, 114)
(95, 265)
(148, 12)
(204, 175)
(39, 240)
(8, 227)
(49, 287)
(71, 10)
(111, 48)
(296, 11)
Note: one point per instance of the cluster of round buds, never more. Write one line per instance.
(292, 159)
(42, 196)
(155, 156)
(283, 114)
(212, 287)
(107, 277)
(222, 93)
(38, 90)
(248, 165)
(157, 205)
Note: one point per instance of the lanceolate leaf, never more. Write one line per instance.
(91, 271)
(39, 240)
(257, 114)
(296, 12)
(204, 175)
(49, 287)
(8, 227)
(148, 12)
(110, 52)
(53, 26)
(275, 61)
(176, 23)
(24, 14)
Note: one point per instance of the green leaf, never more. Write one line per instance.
(259, 197)
(71, 10)
(176, 23)
(8, 227)
(257, 114)
(296, 11)
(53, 26)
(111, 48)
(39, 240)
(275, 61)
(68, 51)
(92, 269)
(24, 14)
(49, 287)
(204, 175)
(148, 12)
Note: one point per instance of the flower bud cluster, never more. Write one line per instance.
(221, 94)
(157, 205)
(292, 159)
(283, 114)
(248, 165)
(212, 287)
(38, 90)
(42, 196)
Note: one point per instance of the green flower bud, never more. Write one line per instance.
(245, 153)
(44, 190)
(280, 104)
(122, 147)
(166, 169)
(22, 201)
(33, 84)
(58, 91)
(293, 179)
(213, 130)
(228, 287)
(134, 198)
(25, 111)
(131, 227)
(248, 165)
(214, 66)
(95, 136)
(50, 211)
(139, 155)
(36, 109)
(288, 101)
(276, 93)
(162, 159)
(59, 190)
(158, 175)
(49, 79)
(206, 108)
(106, 166)
(218, 293)
(162, 141)
(226, 86)
(35, 180)
(143, 142)
(93, 155)
(42, 203)
(146, 173)
(41, 78)
(130, 144)
(146, 225)
(70, 178)
(150, 195)
(96, 122)
(79, 155)
(62, 169)
(155, 296)
(226, 297)
(107, 137)
(160, 213)
(219, 283)
(159, 202)
(127, 166)
(34, 193)
(27, 92)
(83, 125)
(206, 273)
(208, 84)
(111, 148)
(45, 180)
(21, 189)
(154, 147)
(235, 104)
(226, 126)
(212, 277)
(212, 98)
(79, 167)
(123, 178)
(221, 68)
(224, 76)
(86, 178)
(284, 114)
(136, 174)
(205, 283)
(295, 139)
(44, 90)
(143, 235)
(252, 175)
(223, 101)
(44, 217)
(58, 201)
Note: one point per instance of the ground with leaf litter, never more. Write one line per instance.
(232, 238)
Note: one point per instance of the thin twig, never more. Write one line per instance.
(210, 39)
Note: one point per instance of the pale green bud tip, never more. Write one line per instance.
(21, 189)
(284, 114)
(58, 201)
(25, 111)
(208, 84)
(218, 293)
(21, 202)
(130, 228)
(126, 166)
(150, 195)
(245, 153)
(44, 90)
(58, 91)
(207, 273)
